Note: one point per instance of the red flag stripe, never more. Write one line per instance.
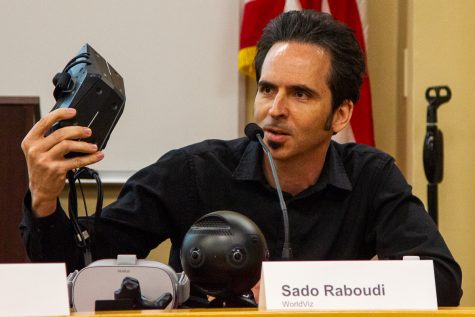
(257, 13)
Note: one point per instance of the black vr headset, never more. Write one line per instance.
(92, 86)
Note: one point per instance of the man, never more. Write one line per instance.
(345, 202)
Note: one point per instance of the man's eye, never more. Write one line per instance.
(266, 89)
(301, 94)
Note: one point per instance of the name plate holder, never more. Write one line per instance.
(34, 290)
(348, 285)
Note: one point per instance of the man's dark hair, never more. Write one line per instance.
(312, 27)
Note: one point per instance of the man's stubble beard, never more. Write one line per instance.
(327, 127)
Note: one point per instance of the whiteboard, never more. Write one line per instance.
(178, 60)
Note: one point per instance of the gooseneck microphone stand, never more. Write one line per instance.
(433, 153)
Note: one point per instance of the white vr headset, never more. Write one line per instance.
(101, 281)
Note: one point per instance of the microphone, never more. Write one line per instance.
(255, 133)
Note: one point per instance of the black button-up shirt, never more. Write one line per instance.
(359, 207)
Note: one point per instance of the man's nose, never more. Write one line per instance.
(279, 106)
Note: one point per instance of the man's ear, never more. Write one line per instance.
(342, 116)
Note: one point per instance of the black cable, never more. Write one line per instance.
(83, 197)
(82, 55)
(63, 81)
(99, 200)
(73, 211)
(76, 63)
(84, 239)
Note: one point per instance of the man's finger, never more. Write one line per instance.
(45, 123)
(66, 133)
(68, 146)
(81, 161)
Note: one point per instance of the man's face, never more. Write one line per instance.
(293, 101)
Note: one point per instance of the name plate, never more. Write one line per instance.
(34, 290)
(348, 285)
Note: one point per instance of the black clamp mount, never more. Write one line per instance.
(433, 153)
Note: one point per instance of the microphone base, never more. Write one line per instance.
(287, 254)
(228, 302)
(236, 301)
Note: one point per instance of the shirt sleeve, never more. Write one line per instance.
(49, 239)
(135, 224)
(403, 227)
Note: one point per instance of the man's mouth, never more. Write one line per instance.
(275, 135)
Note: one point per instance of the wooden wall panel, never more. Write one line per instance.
(17, 116)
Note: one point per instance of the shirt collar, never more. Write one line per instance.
(250, 165)
(333, 173)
